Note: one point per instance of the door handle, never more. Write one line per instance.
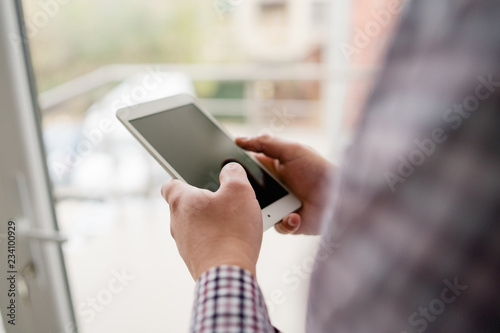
(41, 235)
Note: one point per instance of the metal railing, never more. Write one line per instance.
(247, 73)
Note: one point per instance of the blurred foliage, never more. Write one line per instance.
(213, 89)
(83, 35)
(230, 90)
(206, 89)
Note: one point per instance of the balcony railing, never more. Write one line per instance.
(247, 73)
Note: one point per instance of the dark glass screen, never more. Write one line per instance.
(196, 148)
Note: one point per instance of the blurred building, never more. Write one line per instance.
(282, 30)
(276, 32)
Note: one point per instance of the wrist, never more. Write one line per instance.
(224, 253)
(224, 262)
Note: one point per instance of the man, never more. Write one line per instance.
(413, 215)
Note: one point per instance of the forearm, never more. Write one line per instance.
(228, 299)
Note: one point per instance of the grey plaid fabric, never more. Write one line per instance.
(414, 221)
(416, 211)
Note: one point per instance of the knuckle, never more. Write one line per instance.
(236, 189)
(174, 203)
(264, 137)
(296, 147)
(309, 149)
(168, 188)
(238, 184)
(202, 201)
(294, 150)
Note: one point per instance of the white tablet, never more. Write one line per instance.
(191, 146)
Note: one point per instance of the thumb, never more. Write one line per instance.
(289, 225)
(233, 178)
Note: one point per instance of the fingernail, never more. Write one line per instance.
(232, 166)
(291, 223)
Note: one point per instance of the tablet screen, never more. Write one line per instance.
(197, 149)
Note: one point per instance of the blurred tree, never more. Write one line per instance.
(68, 40)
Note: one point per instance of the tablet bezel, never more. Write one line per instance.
(270, 214)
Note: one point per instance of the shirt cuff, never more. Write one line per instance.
(228, 299)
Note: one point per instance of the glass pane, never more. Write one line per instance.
(258, 66)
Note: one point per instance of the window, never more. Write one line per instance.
(91, 56)
(273, 14)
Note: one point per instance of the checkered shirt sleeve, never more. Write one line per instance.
(228, 299)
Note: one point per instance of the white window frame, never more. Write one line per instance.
(42, 297)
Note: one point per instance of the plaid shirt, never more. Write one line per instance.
(412, 235)
(228, 299)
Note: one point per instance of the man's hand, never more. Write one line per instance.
(303, 171)
(213, 229)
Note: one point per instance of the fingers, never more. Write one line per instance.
(268, 162)
(273, 147)
(233, 178)
(172, 191)
(289, 225)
